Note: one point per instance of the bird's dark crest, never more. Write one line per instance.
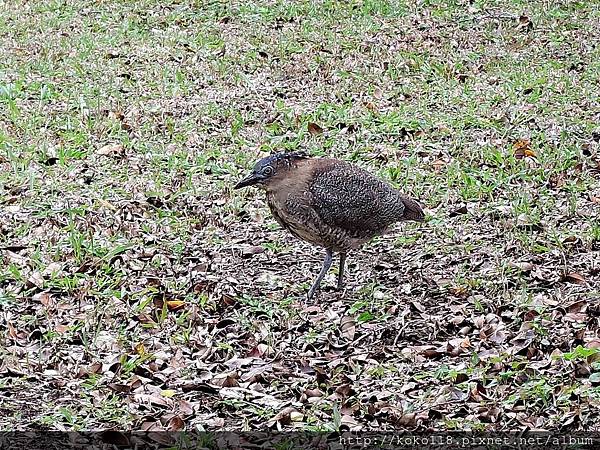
(289, 156)
(281, 158)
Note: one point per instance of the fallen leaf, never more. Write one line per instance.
(254, 250)
(176, 423)
(106, 204)
(62, 328)
(111, 150)
(371, 107)
(314, 129)
(522, 149)
(168, 393)
(459, 211)
(36, 280)
(525, 22)
(348, 327)
(259, 350)
(522, 266)
(296, 416)
(44, 298)
(438, 165)
(574, 277)
(283, 417)
(174, 305)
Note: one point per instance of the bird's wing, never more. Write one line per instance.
(352, 199)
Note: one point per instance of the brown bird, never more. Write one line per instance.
(329, 203)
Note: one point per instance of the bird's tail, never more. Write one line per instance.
(412, 210)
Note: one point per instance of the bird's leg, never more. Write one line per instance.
(340, 284)
(326, 266)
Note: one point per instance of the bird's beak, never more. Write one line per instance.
(251, 179)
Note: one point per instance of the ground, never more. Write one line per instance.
(138, 290)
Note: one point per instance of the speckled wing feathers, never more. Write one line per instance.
(347, 197)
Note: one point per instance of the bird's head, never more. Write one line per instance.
(269, 167)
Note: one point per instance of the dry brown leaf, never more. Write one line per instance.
(282, 417)
(522, 149)
(574, 277)
(62, 328)
(111, 150)
(259, 351)
(457, 346)
(176, 423)
(575, 317)
(314, 129)
(438, 165)
(44, 298)
(459, 211)
(348, 327)
(107, 204)
(525, 22)
(174, 305)
(371, 107)
(12, 332)
(522, 265)
(36, 280)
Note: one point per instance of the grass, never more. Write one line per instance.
(124, 126)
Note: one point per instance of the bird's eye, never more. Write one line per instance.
(267, 171)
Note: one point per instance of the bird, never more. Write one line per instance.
(329, 203)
